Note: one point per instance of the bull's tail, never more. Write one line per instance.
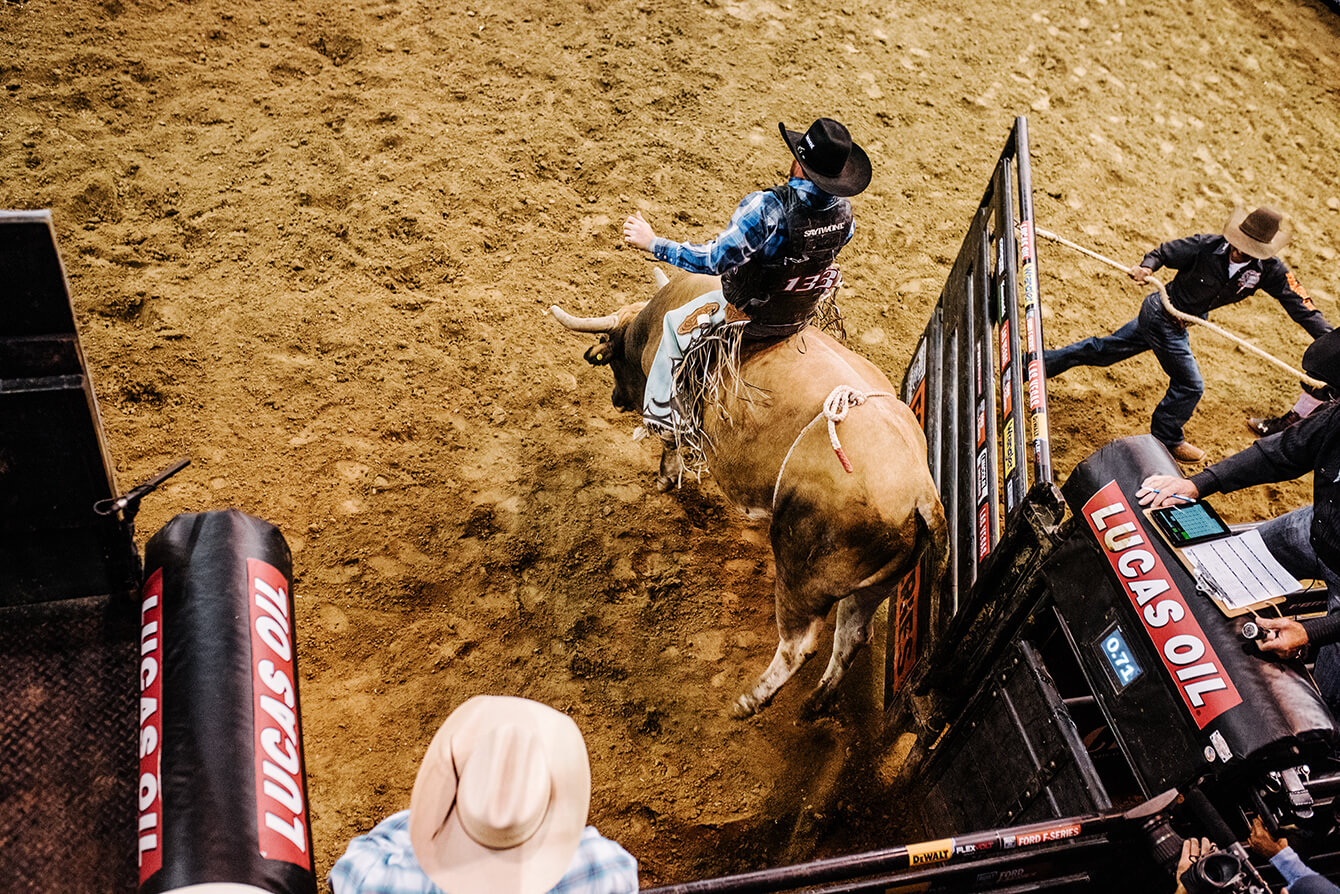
(933, 534)
(932, 542)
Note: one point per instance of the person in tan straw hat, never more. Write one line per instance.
(1212, 271)
(776, 259)
(499, 807)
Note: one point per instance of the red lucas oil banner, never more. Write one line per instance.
(150, 835)
(1189, 658)
(281, 811)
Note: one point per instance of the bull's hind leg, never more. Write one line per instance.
(793, 650)
(855, 627)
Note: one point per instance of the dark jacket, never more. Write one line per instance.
(1202, 282)
(1312, 445)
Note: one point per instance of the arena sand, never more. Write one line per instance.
(311, 244)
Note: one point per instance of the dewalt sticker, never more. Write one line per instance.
(928, 852)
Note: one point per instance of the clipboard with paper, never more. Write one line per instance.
(1236, 571)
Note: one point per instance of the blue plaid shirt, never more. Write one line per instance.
(1292, 867)
(758, 226)
(382, 862)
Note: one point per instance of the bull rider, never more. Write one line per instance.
(775, 258)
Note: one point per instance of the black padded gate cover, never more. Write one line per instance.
(222, 791)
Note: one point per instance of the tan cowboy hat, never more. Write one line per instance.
(1260, 234)
(501, 798)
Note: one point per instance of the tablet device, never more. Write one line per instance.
(1187, 524)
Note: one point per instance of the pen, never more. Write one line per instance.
(1153, 490)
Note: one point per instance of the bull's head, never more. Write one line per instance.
(619, 348)
(630, 336)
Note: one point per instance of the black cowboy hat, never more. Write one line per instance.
(1321, 360)
(829, 157)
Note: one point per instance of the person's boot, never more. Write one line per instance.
(1265, 427)
(671, 474)
(1186, 452)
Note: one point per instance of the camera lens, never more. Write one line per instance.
(1164, 843)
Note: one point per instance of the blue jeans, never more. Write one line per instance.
(1152, 330)
(1289, 539)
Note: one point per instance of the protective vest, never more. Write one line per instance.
(780, 293)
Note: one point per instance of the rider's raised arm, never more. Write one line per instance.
(756, 218)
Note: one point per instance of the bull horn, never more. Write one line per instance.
(584, 324)
(659, 276)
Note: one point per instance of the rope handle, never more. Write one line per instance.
(839, 401)
(1189, 319)
(836, 406)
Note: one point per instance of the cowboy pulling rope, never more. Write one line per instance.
(1189, 319)
(839, 401)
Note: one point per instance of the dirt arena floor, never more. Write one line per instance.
(311, 245)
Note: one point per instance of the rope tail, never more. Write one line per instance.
(836, 406)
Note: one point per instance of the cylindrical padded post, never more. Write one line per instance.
(222, 792)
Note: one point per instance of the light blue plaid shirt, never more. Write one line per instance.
(382, 862)
(758, 226)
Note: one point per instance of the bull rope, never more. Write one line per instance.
(839, 401)
(1186, 318)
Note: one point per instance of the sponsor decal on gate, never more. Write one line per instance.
(151, 728)
(927, 852)
(1057, 834)
(916, 374)
(983, 532)
(281, 809)
(918, 404)
(1026, 239)
(1177, 635)
(903, 606)
(976, 847)
(1030, 316)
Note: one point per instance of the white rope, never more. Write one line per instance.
(1189, 319)
(836, 406)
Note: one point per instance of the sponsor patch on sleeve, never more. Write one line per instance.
(1297, 287)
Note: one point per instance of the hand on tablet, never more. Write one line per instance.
(1158, 491)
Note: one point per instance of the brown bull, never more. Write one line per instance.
(838, 537)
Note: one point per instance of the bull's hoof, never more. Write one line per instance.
(664, 484)
(817, 704)
(744, 707)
